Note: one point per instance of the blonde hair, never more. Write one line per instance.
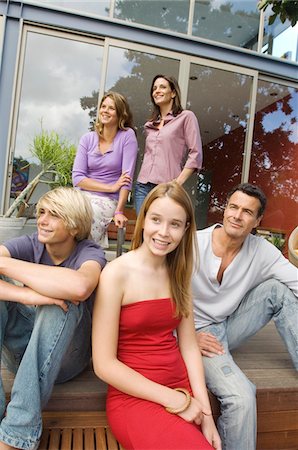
(180, 261)
(72, 206)
(122, 109)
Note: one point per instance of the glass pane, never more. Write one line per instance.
(274, 163)
(131, 73)
(167, 15)
(59, 76)
(220, 99)
(280, 39)
(231, 22)
(99, 7)
(1, 35)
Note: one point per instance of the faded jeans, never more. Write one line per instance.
(236, 394)
(141, 191)
(43, 345)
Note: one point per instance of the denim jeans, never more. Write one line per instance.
(43, 345)
(236, 394)
(141, 191)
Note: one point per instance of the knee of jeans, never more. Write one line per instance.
(279, 292)
(275, 286)
(242, 399)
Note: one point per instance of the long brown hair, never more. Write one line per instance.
(177, 108)
(180, 261)
(123, 111)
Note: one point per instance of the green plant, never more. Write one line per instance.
(56, 157)
(285, 9)
(276, 240)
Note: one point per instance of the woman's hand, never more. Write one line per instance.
(120, 220)
(210, 432)
(195, 412)
(123, 180)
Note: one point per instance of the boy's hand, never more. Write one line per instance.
(32, 298)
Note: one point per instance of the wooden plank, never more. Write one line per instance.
(112, 444)
(89, 439)
(284, 440)
(277, 421)
(277, 400)
(273, 379)
(66, 439)
(66, 419)
(100, 438)
(54, 443)
(77, 439)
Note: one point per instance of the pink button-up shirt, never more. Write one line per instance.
(168, 149)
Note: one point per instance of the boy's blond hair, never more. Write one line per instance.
(72, 206)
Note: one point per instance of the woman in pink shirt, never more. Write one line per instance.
(105, 163)
(173, 148)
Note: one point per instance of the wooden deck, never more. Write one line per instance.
(75, 419)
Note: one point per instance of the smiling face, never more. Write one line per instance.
(108, 113)
(164, 226)
(241, 215)
(52, 229)
(162, 93)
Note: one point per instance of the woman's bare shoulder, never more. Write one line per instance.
(120, 265)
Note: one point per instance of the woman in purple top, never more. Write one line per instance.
(105, 163)
(173, 148)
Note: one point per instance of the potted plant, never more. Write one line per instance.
(55, 157)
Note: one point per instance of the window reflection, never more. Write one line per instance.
(280, 39)
(274, 163)
(220, 99)
(130, 73)
(59, 75)
(99, 7)
(231, 22)
(166, 14)
(1, 35)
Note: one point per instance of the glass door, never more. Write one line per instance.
(220, 98)
(58, 74)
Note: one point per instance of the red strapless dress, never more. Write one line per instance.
(147, 344)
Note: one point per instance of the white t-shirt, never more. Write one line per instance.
(257, 261)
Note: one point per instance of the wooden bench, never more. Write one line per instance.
(75, 419)
(72, 431)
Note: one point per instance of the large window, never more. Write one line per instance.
(1, 35)
(280, 39)
(59, 76)
(97, 7)
(231, 22)
(130, 72)
(167, 15)
(221, 101)
(274, 162)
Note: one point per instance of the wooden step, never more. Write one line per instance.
(77, 431)
(264, 359)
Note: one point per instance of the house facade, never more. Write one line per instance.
(237, 73)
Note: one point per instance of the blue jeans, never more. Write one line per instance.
(236, 394)
(141, 191)
(43, 345)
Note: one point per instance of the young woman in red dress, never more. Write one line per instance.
(144, 343)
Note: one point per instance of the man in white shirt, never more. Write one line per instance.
(239, 284)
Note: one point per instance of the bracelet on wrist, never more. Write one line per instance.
(118, 212)
(186, 404)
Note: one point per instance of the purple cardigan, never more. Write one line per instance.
(107, 168)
